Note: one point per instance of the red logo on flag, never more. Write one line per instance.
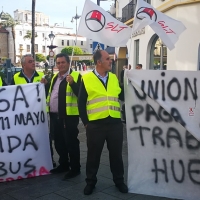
(143, 12)
(95, 21)
(96, 15)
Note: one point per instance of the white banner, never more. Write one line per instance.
(167, 28)
(162, 114)
(101, 26)
(24, 135)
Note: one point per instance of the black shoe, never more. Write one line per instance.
(88, 189)
(59, 169)
(122, 188)
(71, 174)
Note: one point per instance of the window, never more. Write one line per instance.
(81, 42)
(20, 33)
(62, 42)
(36, 47)
(148, 1)
(43, 35)
(160, 54)
(90, 45)
(28, 48)
(43, 49)
(136, 47)
(26, 17)
(67, 42)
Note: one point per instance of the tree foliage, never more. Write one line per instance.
(40, 57)
(29, 35)
(68, 50)
(8, 21)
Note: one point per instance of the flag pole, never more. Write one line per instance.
(130, 45)
(72, 52)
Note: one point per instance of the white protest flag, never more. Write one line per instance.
(167, 28)
(24, 134)
(162, 114)
(99, 25)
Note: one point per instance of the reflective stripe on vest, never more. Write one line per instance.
(102, 99)
(21, 80)
(1, 82)
(71, 99)
(102, 103)
(95, 110)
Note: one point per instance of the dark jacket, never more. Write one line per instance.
(3, 82)
(62, 94)
(82, 100)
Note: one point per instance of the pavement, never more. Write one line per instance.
(52, 187)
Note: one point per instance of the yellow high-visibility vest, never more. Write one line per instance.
(21, 80)
(102, 103)
(1, 82)
(71, 98)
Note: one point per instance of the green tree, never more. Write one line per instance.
(40, 57)
(9, 22)
(68, 50)
(29, 35)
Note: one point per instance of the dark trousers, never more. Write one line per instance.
(97, 134)
(65, 133)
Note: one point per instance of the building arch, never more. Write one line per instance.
(121, 60)
(156, 54)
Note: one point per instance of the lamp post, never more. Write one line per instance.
(76, 17)
(51, 53)
(45, 39)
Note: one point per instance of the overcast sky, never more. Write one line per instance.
(59, 11)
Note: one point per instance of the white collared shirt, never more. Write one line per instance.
(104, 79)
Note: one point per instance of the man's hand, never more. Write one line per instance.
(43, 80)
(69, 79)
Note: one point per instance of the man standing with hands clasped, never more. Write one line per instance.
(100, 113)
(64, 116)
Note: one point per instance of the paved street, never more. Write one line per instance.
(51, 187)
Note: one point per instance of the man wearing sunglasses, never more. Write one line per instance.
(28, 74)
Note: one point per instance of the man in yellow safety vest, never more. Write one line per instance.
(99, 110)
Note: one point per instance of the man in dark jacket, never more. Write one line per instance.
(64, 116)
(100, 113)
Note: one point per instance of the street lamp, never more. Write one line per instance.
(76, 17)
(45, 39)
(51, 53)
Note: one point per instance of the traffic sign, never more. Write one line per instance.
(51, 53)
(51, 61)
(97, 46)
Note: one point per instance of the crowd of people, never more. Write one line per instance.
(70, 96)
